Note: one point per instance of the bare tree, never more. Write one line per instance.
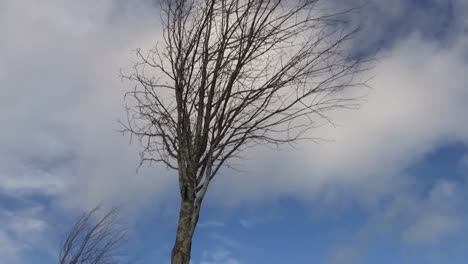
(93, 239)
(233, 74)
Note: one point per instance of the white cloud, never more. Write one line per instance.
(61, 97)
(438, 217)
(251, 222)
(421, 218)
(9, 250)
(67, 97)
(432, 229)
(417, 104)
(74, 98)
(21, 230)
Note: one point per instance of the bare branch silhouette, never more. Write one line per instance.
(93, 239)
(233, 74)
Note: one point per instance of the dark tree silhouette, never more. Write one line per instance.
(93, 239)
(232, 74)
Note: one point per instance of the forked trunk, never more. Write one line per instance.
(188, 218)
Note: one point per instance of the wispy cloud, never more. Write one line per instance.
(20, 231)
(251, 222)
(225, 240)
(346, 255)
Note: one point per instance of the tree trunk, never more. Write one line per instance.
(183, 243)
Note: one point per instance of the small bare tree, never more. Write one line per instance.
(233, 74)
(93, 239)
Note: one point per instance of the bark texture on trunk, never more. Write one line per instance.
(188, 218)
(191, 200)
(183, 244)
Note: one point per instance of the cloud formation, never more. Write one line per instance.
(61, 98)
(417, 105)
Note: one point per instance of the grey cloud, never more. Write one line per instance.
(386, 23)
(417, 103)
(61, 97)
(431, 229)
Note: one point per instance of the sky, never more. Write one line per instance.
(389, 184)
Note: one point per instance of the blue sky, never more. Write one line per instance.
(390, 184)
